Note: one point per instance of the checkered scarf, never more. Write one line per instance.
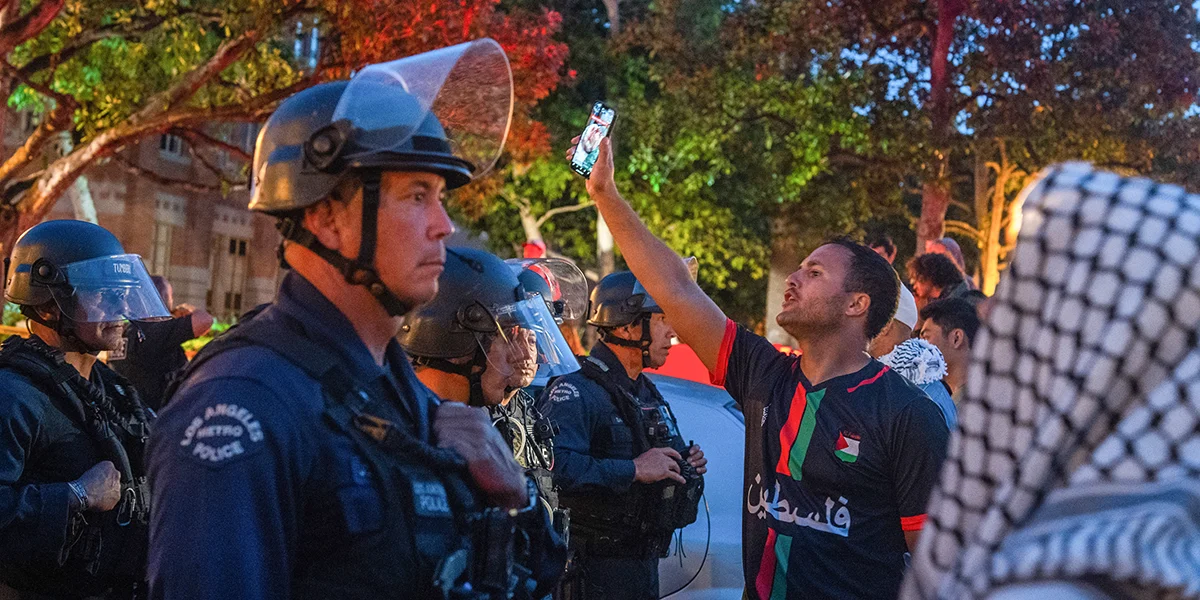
(1078, 452)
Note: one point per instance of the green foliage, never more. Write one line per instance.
(217, 329)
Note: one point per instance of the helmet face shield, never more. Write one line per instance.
(467, 88)
(530, 322)
(107, 290)
(568, 288)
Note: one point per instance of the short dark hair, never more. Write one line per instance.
(871, 274)
(937, 270)
(882, 240)
(951, 314)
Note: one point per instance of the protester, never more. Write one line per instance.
(152, 351)
(949, 248)
(841, 452)
(918, 361)
(883, 245)
(951, 325)
(933, 277)
(1076, 468)
(897, 330)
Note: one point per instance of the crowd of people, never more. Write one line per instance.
(408, 420)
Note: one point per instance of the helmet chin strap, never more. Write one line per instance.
(64, 328)
(361, 270)
(643, 344)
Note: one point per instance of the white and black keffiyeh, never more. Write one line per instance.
(1078, 450)
(917, 360)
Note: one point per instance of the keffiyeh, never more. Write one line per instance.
(1078, 449)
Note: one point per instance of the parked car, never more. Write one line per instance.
(710, 417)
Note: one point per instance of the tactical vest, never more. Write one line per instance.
(110, 546)
(639, 523)
(530, 435)
(466, 556)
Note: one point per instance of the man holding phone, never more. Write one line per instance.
(841, 453)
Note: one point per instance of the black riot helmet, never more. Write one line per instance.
(479, 302)
(620, 300)
(445, 112)
(84, 271)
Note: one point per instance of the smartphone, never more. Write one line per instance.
(588, 150)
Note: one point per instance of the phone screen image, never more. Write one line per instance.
(588, 149)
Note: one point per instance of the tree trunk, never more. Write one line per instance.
(785, 257)
(614, 16)
(935, 195)
(80, 194)
(529, 222)
(991, 257)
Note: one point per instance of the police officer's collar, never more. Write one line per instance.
(605, 354)
(323, 321)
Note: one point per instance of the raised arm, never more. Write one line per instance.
(693, 315)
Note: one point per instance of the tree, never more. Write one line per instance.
(989, 69)
(110, 74)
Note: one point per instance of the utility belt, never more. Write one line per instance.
(472, 552)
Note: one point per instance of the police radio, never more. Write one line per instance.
(678, 504)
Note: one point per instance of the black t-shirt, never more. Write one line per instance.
(151, 352)
(835, 473)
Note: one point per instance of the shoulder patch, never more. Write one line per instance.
(563, 391)
(219, 434)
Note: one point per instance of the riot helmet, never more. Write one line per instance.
(445, 112)
(558, 282)
(479, 302)
(84, 271)
(619, 300)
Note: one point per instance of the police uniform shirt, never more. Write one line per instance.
(593, 450)
(151, 351)
(835, 473)
(255, 491)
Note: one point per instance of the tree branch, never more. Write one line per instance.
(561, 210)
(197, 137)
(84, 41)
(62, 101)
(29, 26)
(964, 229)
(154, 177)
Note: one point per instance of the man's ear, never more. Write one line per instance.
(859, 305)
(322, 220)
(958, 338)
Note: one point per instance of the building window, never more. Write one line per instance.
(230, 268)
(171, 145)
(160, 256)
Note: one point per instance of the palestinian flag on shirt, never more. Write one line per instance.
(847, 448)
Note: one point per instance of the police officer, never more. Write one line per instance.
(481, 338)
(300, 457)
(619, 456)
(73, 501)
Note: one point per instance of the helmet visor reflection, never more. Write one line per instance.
(109, 289)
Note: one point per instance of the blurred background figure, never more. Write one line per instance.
(883, 245)
(934, 277)
(152, 351)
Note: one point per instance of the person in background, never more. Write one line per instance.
(883, 245)
(951, 325)
(152, 350)
(934, 277)
(917, 360)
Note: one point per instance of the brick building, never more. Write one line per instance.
(216, 253)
